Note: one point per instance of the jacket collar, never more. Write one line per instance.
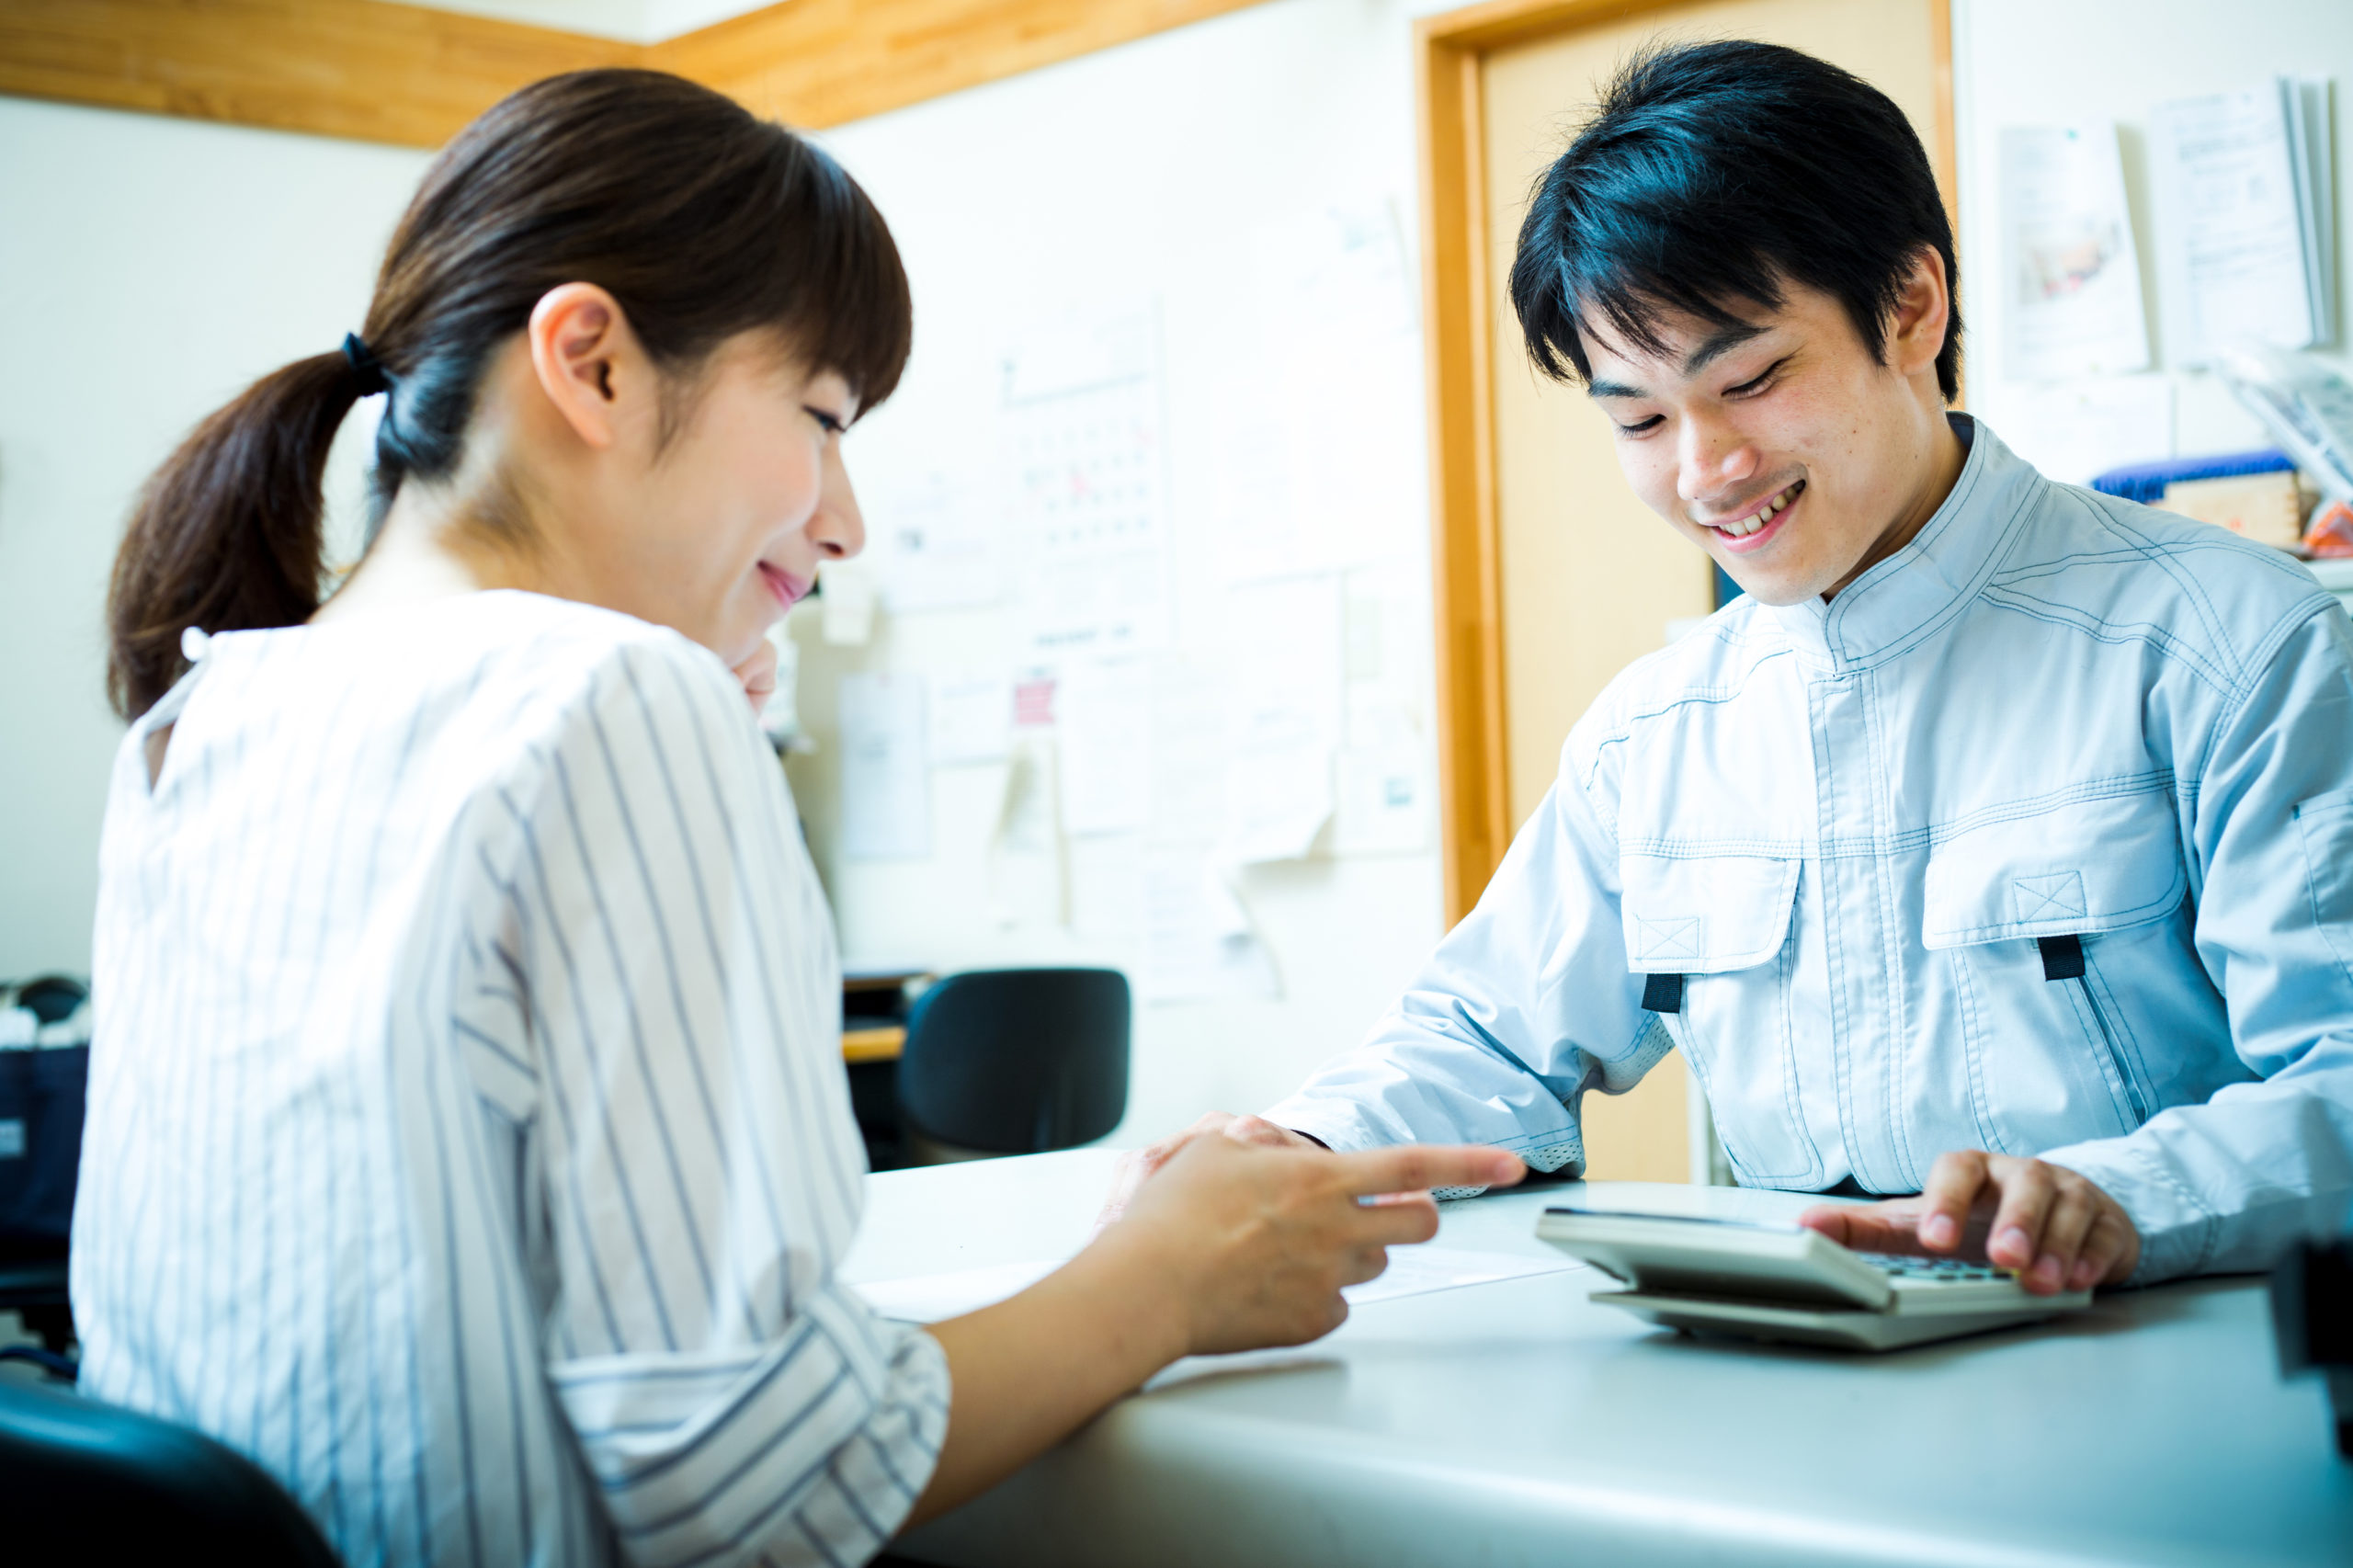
(1917, 592)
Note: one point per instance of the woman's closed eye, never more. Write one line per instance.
(828, 421)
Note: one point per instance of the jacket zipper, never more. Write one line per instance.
(2063, 958)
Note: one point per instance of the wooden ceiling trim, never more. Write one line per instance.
(381, 70)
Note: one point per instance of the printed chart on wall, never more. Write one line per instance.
(1085, 436)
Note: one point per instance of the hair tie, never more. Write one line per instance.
(366, 369)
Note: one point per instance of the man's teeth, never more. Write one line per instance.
(1763, 514)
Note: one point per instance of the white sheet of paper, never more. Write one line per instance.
(1028, 872)
(1104, 715)
(1313, 463)
(2073, 295)
(886, 787)
(971, 720)
(1188, 747)
(2231, 239)
(1384, 800)
(1086, 445)
(1197, 942)
(929, 541)
(1413, 1271)
(1283, 684)
(847, 598)
(2073, 430)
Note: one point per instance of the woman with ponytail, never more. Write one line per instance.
(468, 1142)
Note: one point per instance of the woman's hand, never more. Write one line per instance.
(756, 670)
(1228, 1247)
(1139, 1165)
(1255, 1242)
(2054, 1227)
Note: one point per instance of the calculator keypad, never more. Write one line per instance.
(1940, 1270)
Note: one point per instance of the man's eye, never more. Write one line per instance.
(1643, 429)
(1751, 388)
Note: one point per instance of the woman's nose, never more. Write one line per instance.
(838, 530)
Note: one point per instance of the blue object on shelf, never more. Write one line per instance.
(2146, 482)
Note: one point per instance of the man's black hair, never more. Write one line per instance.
(1715, 173)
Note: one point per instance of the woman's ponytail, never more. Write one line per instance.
(702, 220)
(227, 535)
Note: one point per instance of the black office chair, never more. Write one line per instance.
(82, 1481)
(1014, 1062)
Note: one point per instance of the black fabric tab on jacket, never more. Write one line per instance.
(1663, 993)
(2062, 957)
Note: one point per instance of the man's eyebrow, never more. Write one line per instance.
(1612, 389)
(1721, 342)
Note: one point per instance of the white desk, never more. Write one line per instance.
(1516, 1423)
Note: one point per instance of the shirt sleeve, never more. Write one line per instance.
(2227, 1184)
(692, 1152)
(1526, 1007)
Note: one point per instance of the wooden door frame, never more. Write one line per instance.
(1451, 52)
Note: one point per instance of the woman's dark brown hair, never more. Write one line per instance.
(702, 220)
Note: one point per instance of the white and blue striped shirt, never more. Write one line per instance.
(468, 1142)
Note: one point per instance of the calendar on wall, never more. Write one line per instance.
(1085, 443)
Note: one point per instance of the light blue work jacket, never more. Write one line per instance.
(2037, 838)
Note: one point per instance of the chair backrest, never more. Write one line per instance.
(1018, 1061)
(83, 1481)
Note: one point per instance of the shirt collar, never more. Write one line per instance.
(1915, 592)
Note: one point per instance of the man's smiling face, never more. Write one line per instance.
(1779, 444)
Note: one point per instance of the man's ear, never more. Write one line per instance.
(586, 359)
(1923, 312)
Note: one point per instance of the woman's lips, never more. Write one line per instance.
(788, 589)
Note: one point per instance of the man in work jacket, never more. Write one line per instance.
(1996, 847)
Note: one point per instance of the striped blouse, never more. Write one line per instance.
(468, 1143)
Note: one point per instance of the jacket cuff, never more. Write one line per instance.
(2177, 1231)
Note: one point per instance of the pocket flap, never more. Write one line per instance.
(1705, 916)
(2085, 867)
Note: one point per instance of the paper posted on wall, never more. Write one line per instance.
(1198, 944)
(886, 786)
(928, 538)
(971, 720)
(1283, 642)
(2247, 219)
(1312, 461)
(1085, 436)
(2072, 430)
(2073, 295)
(1027, 872)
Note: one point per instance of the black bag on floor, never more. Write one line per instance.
(44, 1065)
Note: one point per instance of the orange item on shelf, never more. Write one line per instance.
(2330, 533)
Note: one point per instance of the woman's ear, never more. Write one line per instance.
(587, 360)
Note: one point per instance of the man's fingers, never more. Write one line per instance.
(1954, 1182)
(1875, 1227)
(2109, 1253)
(2028, 1191)
(1417, 1167)
(2073, 1212)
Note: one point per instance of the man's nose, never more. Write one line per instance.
(1711, 458)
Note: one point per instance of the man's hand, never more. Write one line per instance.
(757, 672)
(1137, 1166)
(2052, 1225)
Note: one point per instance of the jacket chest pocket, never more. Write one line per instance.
(1712, 936)
(2022, 912)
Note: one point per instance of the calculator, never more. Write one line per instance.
(1790, 1284)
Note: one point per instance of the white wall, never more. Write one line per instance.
(2050, 62)
(149, 268)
